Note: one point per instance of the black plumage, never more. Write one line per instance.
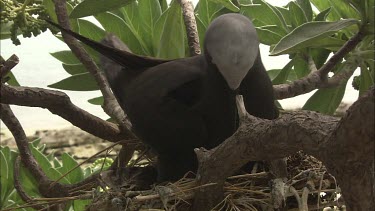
(178, 105)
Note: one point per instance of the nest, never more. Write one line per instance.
(309, 186)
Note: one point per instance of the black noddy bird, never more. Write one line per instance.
(178, 105)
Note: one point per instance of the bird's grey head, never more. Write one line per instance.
(232, 43)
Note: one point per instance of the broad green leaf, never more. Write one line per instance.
(81, 204)
(163, 5)
(79, 82)
(116, 25)
(267, 37)
(90, 30)
(282, 76)
(286, 14)
(97, 100)
(323, 5)
(301, 68)
(344, 9)
(319, 56)
(74, 69)
(326, 100)
(228, 4)
(309, 33)
(170, 36)
(69, 163)
(93, 7)
(265, 13)
(132, 18)
(12, 80)
(205, 11)
(366, 79)
(28, 182)
(201, 31)
(273, 73)
(149, 11)
(322, 16)
(66, 57)
(4, 176)
(306, 7)
(299, 16)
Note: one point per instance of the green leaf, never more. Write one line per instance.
(301, 68)
(307, 9)
(69, 163)
(74, 69)
(366, 78)
(201, 31)
(116, 25)
(79, 82)
(4, 176)
(309, 33)
(205, 11)
(319, 56)
(283, 75)
(97, 100)
(132, 18)
(12, 80)
(267, 37)
(149, 11)
(265, 13)
(169, 37)
(326, 100)
(66, 57)
(90, 30)
(322, 16)
(228, 4)
(299, 16)
(93, 7)
(344, 9)
(323, 5)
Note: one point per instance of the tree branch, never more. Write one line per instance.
(60, 104)
(111, 105)
(27, 158)
(316, 134)
(7, 66)
(317, 79)
(191, 26)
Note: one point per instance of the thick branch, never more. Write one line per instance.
(353, 162)
(316, 134)
(191, 27)
(60, 104)
(111, 105)
(318, 79)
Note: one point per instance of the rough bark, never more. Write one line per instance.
(346, 146)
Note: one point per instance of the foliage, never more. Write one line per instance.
(53, 167)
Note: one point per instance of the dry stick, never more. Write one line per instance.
(59, 103)
(316, 79)
(191, 27)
